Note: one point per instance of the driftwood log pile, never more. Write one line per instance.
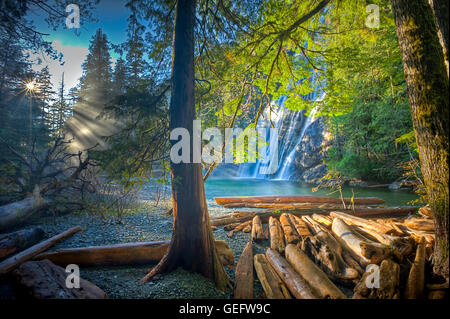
(314, 254)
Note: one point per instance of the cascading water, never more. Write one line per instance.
(291, 127)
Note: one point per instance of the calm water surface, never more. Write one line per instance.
(259, 187)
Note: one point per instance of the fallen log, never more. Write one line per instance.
(290, 234)
(230, 227)
(300, 226)
(129, 254)
(368, 252)
(388, 286)
(420, 224)
(296, 284)
(322, 219)
(401, 246)
(15, 242)
(45, 280)
(297, 199)
(239, 227)
(415, 285)
(17, 212)
(276, 235)
(243, 286)
(426, 212)
(293, 206)
(257, 229)
(314, 276)
(273, 286)
(265, 215)
(328, 253)
(15, 260)
(362, 222)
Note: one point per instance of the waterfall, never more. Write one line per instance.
(291, 127)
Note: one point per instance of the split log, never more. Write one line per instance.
(322, 219)
(296, 284)
(314, 276)
(17, 212)
(296, 199)
(257, 229)
(13, 243)
(362, 222)
(15, 260)
(401, 246)
(276, 235)
(290, 234)
(300, 226)
(328, 253)
(129, 254)
(368, 252)
(388, 286)
(415, 285)
(45, 280)
(243, 288)
(273, 286)
(420, 224)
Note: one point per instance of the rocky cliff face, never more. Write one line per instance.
(308, 163)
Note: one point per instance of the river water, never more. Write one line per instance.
(257, 187)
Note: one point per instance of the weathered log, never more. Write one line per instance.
(362, 222)
(415, 285)
(425, 211)
(436, 294)
(314, 276)
(257, 229)
(420, 224)
(296, 284)
(45, 280)
(243, 288)
(276, 235)
(322, 219)
(273, 286)
(293, 206)
(17, 212)
(368, 252)
(230, 227)
(300, 226)
(15, 260)
(328, 253)
(401, 246)
(13, 243)
(388, 286)
(296, 199)
(129, 254)
(226, 255)
(290, 234)
(239, 227)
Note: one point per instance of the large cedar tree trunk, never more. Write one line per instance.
(427, 83)
(192, 245)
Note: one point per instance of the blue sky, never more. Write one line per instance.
(112, 18)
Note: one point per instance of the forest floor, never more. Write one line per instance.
(145, 225)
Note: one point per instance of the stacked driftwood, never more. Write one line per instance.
(322, 254)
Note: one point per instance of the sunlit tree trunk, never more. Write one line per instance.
(427, 83)
(192, 245)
